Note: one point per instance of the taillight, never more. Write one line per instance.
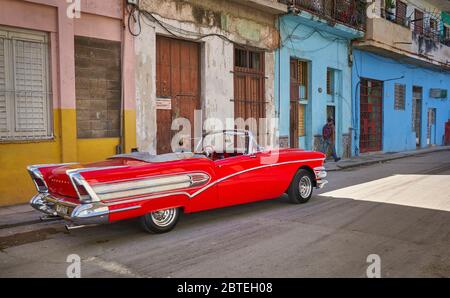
(38, 179)
(81, 187)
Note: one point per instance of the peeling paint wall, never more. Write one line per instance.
(239, 23)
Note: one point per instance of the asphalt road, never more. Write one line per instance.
(399, 210)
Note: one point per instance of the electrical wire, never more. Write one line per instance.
(136, 13)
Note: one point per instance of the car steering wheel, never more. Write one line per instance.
(208, 150)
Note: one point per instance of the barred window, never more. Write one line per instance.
(399, 97)
(299, 79)
(330, 81)
(24, 85)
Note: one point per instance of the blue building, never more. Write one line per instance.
(398, 106)
(313, 73)
(400, 79)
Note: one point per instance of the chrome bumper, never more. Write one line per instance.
(321, 174)
(78, 214)
(321, 183)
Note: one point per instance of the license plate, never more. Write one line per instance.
(62, 209)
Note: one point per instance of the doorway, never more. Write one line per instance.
(371, 116)
(417, 113)
(299, 93)
(431, 131)
(177, 86)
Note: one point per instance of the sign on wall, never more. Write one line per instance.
(438, 93)
(163, 103)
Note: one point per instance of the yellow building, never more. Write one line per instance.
(66, 87)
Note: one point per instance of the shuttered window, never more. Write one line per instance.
(24, 85)
(301, 120)
(330, 81)
(400, 13)
(3, 103)
(418, 21)
(299, 79)
(399, 97)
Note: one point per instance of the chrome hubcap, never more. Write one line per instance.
(163, 218)
(305, 186)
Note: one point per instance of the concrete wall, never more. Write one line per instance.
(397, 124)
(237, 21)
(384, 35)
(99, 19)
(323, 46)
(98, 87)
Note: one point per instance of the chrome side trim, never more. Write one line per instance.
(150, 185)
(250, 170)
(125, 209)
(78, 180)
(190, 196)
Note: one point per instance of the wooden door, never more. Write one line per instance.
(177, 86)
(249, 82)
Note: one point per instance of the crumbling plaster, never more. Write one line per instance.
(239, 23)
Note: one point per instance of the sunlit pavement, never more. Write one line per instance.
(399, 210)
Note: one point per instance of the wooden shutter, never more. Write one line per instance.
(3, 102)
(303, 79)
(418, 21)
(400, 12)
(301, 120)
(329, 81)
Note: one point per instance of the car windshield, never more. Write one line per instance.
(231, 142)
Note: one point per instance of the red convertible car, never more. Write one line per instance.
(227, 168)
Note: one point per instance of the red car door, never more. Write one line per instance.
(240, 179)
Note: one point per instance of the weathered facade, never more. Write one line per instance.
(215, 56)
(313, 74)
(66, 87)
(401, 77)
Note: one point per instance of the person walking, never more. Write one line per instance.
(328, 139)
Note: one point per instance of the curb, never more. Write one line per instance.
(389, 158)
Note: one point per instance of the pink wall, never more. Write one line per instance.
(99, 19)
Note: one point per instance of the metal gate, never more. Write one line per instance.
(177, 86)
(371, 115)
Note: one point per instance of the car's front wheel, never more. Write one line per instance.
(301, 188)
(161, 221)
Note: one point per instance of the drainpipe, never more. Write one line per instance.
(121, 147)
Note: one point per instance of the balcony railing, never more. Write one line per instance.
(348, 12)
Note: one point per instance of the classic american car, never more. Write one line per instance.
(225, 168)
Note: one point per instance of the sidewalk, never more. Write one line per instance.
(372, 158)
(18, 215)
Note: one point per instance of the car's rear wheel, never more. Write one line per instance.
(301, 188)
(161, 221)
